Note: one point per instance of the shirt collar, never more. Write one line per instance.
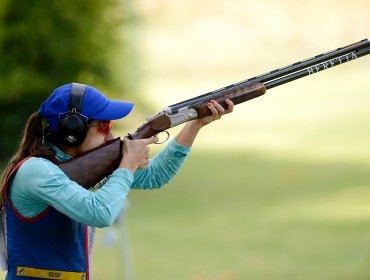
(60, 155)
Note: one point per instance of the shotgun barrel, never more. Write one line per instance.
(287, 73)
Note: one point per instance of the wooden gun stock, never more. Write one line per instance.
(153, 126)
(93, 166)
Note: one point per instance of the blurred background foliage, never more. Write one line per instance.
(45, 44)
(280, 189)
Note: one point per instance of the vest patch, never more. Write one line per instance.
(49, 274)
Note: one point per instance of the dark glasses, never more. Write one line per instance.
(103, 126)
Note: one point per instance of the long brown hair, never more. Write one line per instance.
(30, 144)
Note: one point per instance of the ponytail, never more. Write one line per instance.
(31, 144)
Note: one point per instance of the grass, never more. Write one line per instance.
(231, 216)
(278, 190)
(247, 216)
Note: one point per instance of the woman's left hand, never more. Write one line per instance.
(188, 134)
(217, 112)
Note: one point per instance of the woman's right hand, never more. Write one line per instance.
(136, 153)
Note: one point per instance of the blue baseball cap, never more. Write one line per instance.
(95, 106)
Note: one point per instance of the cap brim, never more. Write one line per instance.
(114, 110)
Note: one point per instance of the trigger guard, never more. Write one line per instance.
(165, 140)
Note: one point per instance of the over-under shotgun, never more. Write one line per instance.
(93, 166)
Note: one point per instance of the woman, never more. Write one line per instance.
(49, 220)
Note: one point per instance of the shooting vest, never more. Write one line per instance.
(48, 246)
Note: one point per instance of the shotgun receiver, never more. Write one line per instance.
(93, 166)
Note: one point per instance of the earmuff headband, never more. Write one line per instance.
(76, 98)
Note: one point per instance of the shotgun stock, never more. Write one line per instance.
(93, 166)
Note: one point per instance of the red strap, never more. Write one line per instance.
(19, 215)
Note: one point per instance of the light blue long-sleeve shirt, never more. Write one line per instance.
(39, 183)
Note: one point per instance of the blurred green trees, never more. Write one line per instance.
(47, 43)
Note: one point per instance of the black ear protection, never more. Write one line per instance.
(72, 126)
